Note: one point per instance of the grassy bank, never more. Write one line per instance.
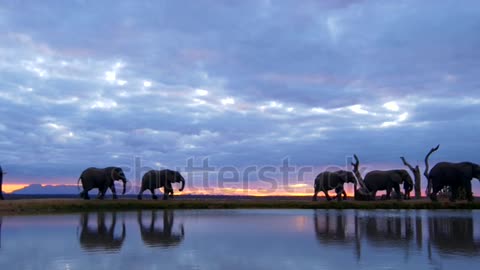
(33, 206)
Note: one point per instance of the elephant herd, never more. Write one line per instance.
(104, 179)
(443, 174)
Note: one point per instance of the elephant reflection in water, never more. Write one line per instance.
(336, 228)
(388, 231)
(156, 236)
(101, 237)
(0, 231)
(331, 228)
(453, 234)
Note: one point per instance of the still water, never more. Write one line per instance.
(243, 239)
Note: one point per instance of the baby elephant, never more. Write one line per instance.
(326, 181)
(154, 179)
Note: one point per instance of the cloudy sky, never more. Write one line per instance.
(242, 83)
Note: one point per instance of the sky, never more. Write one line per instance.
(237, 84)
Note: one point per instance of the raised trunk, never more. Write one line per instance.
(183, 185)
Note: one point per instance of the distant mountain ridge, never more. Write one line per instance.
(47, 189)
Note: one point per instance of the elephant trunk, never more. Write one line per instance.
(183, 184)
(124, 186)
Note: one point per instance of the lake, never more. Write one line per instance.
(243, 239)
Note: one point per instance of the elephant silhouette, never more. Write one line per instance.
(156, 236)
(453, 235)
(101, 238)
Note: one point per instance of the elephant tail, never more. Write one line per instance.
(78, 182)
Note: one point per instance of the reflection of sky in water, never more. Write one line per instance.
(244, 239)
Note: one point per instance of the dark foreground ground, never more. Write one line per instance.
(59, 204)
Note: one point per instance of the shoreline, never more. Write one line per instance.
(51, 206)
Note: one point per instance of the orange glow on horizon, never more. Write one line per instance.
(254, 192)
(257, 192)
(8, 188)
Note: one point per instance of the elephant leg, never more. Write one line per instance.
(387, 195)
(169, 193)
(101, 194)
(139, 196)
(326, 195)
(454, 193)
(374, 195)
(153, 194)
(84, 194)
(339, 196)
(315, 193)
(397, 190)
(166, 192)
(344, 195)
(167, 189)
(339, 191)
(114, 192)
(435, 190)
(468, 190)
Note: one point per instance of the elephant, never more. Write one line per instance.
(453, 175)
(160, 237)
(102, 237)
(1, 183)
(326, 181)
(154, 179)
(101, 178)
(386, 180)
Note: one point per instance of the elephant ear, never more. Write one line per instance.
(466, 170)
(397, 177)
(343, 175)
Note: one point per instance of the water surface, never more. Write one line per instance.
(243, 239)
